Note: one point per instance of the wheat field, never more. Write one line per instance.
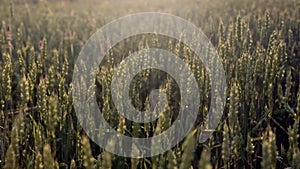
(259, 45)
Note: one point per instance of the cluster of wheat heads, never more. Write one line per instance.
(258, 42)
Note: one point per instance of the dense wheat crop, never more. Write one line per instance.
(259, 45)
